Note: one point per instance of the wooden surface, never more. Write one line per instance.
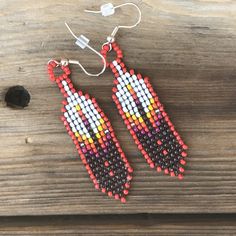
(119, 225)
(187, 48)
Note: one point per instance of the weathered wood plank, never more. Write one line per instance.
(187, 48)
(120, 225)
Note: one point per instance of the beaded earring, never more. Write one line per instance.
(141, 109)
(93, 135)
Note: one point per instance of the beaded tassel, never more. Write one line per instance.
(94, 138)
(145, 118)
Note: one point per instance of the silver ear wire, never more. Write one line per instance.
(108, 9)
(83, 42)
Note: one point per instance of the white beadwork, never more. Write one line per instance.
(123, 77)
(127, 74)
(64, 82)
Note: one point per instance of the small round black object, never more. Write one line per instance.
(17, 97)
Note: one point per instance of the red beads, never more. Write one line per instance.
(93, 135)
(184, 154)
(119, 54)
(51, 66)
(159, 142)
(123, 200)
(145, 118)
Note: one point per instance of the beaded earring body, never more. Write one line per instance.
(94, 138)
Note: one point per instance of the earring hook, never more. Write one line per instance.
(108, 9)
(83, 42)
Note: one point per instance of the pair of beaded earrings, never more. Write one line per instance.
(139, 107)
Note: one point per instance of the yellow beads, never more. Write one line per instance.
(84, 137)
(151, 100)
(77, 107)
(98, 135)
(90, 140)
(150, 107)
(127, 114)
(129, 87)
(134, 117)
(148, 115)
(101, 121)
(76, 134)
(140, 119)
(100, 128)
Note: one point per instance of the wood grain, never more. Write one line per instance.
(187, 48)
(119, 225)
